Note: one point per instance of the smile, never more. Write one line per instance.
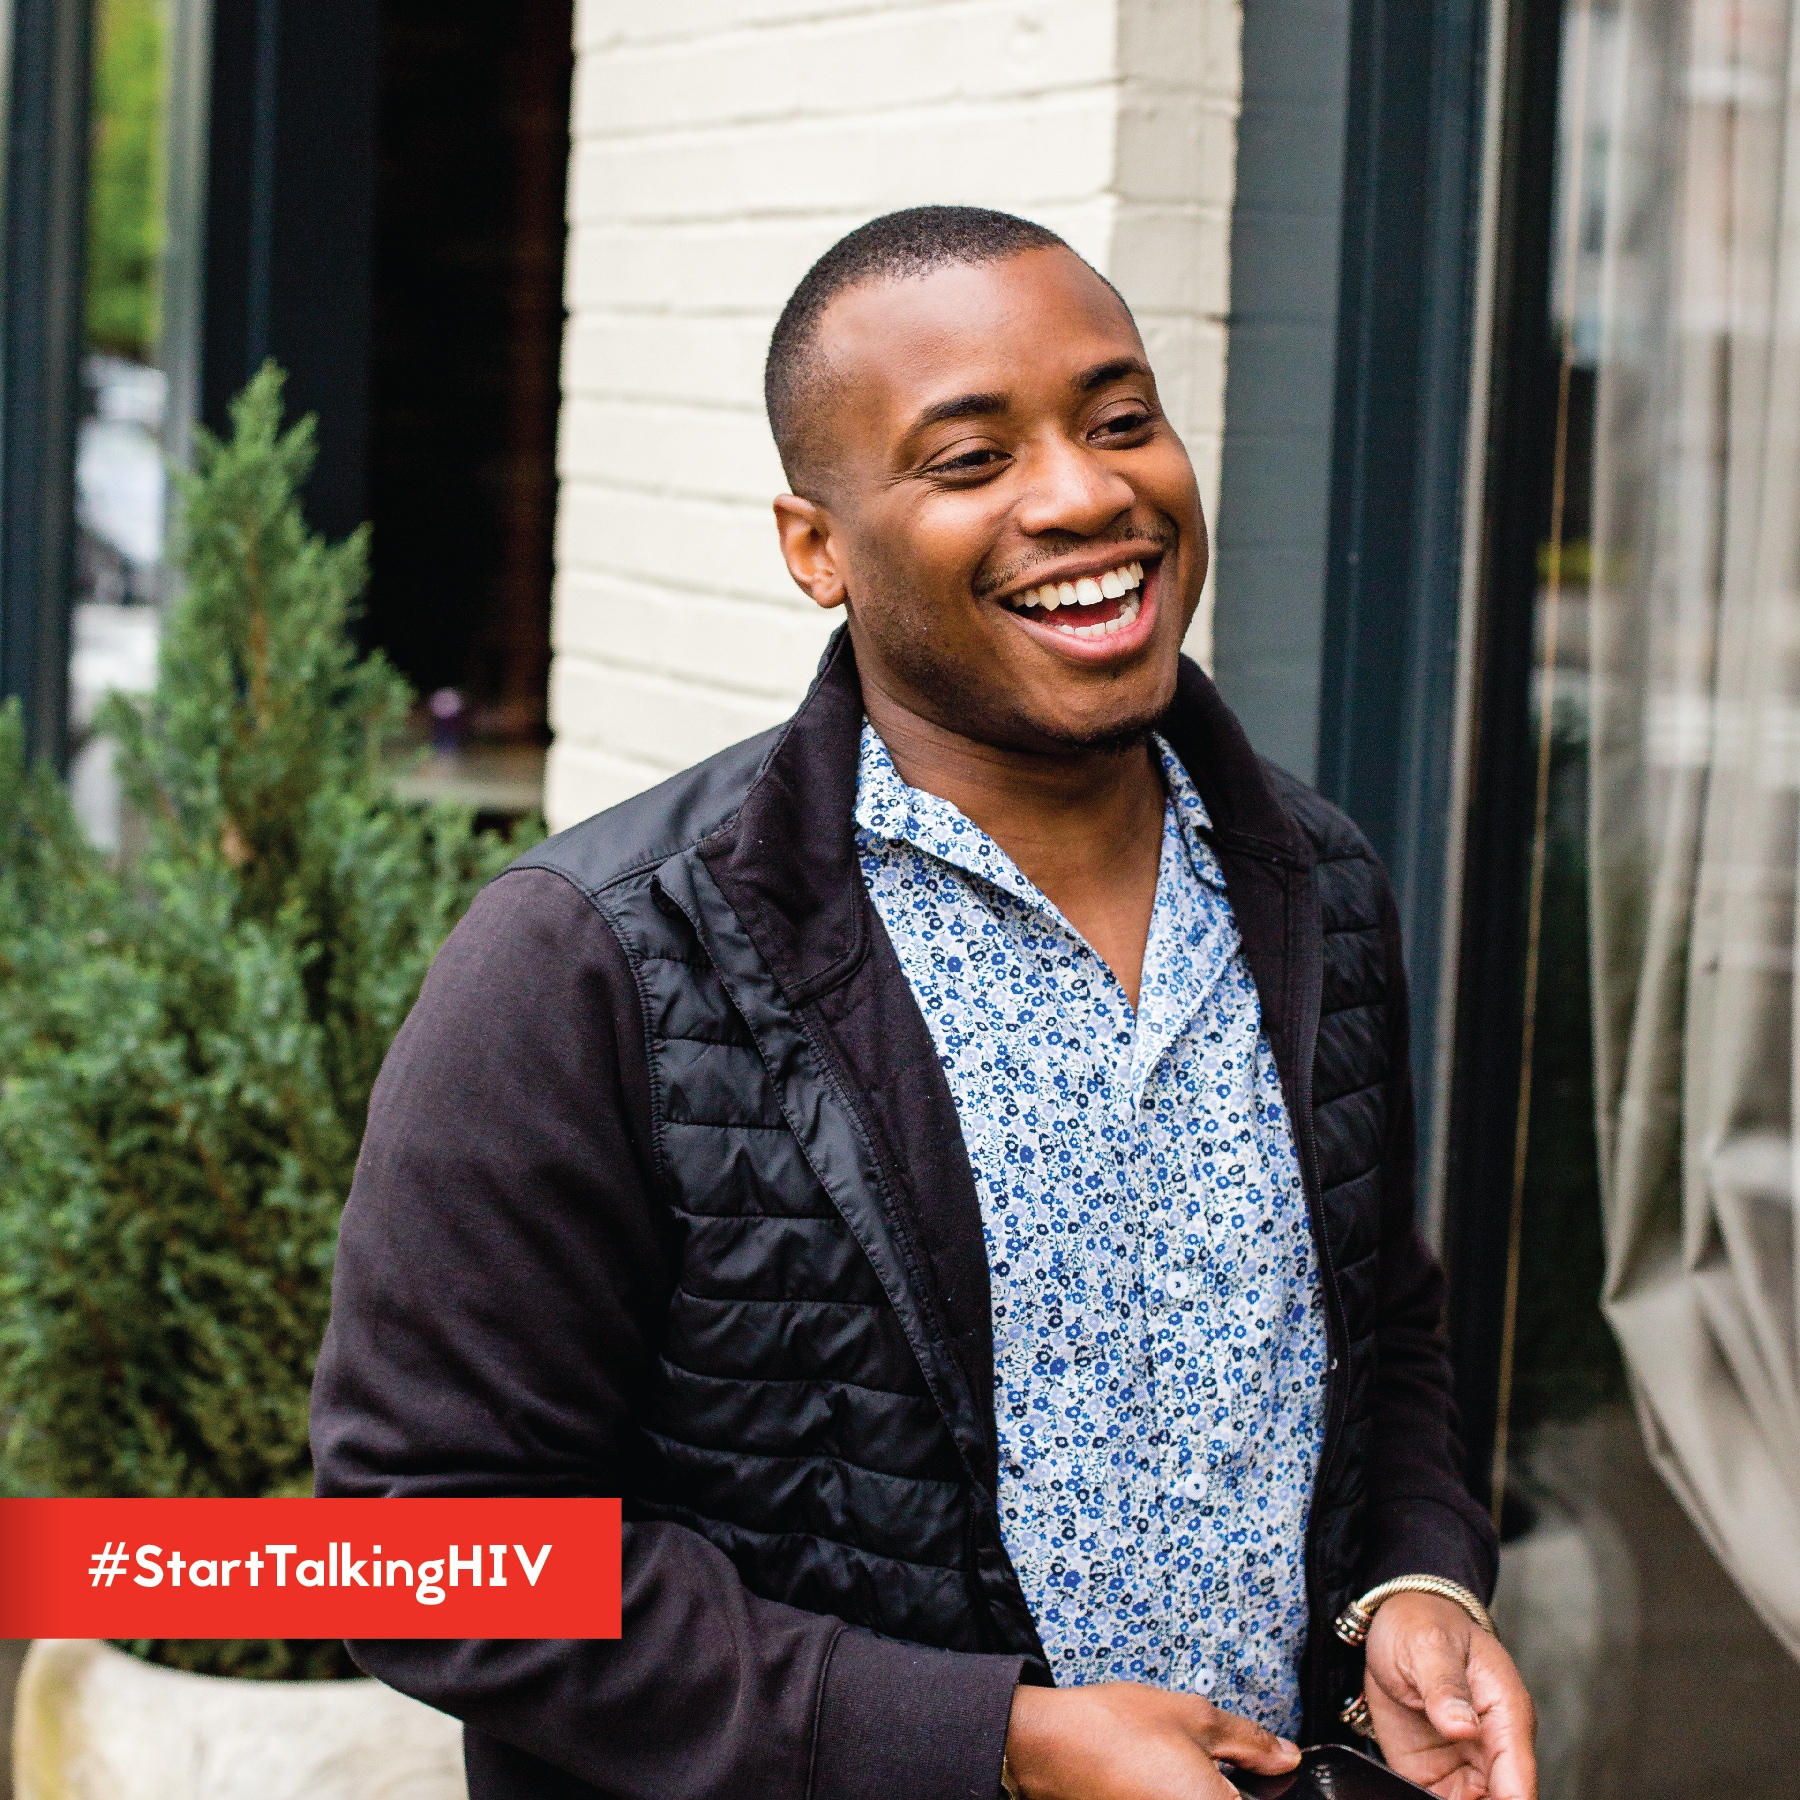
(1095, 606)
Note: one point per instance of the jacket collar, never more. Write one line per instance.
(787, 860)
(1203, 731)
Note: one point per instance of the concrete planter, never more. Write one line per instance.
(91, 1723)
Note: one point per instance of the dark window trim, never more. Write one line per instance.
(1407, 312)
(1356, 259)
(1484, 1099)
(43, 257)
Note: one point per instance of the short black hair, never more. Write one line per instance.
(892, 248)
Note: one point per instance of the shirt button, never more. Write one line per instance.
(1178, 1285)
(1192, 1487)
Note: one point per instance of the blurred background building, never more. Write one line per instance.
(1481, 319)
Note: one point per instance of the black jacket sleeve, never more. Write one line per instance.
(502, 1269)
(1422, 1518)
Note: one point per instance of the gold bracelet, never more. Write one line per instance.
(1008, 1785)
(1354, 1622)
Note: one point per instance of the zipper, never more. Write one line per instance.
(938, 1363)
(1336, 1376)
(1337, 1344)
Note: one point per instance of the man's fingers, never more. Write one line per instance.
(1125, 1741)
(1438, 1665)
(1512, 1773)
(1231, 1739)
(1508, 1722)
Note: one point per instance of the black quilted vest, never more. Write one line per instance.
(822, 1410)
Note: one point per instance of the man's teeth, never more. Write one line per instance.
(1090, 590)
(1105, 628)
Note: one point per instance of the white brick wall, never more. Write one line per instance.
(720, 146)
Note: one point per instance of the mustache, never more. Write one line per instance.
(1161, 532)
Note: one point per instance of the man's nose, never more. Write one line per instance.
(1071, 488)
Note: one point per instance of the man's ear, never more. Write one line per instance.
(809, 550)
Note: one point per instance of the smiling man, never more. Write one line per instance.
(946, 1162)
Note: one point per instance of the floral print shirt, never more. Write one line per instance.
(1159, 1335)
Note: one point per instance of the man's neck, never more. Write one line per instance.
(1085, 828)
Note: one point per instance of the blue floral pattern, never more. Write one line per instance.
(1159, 1338)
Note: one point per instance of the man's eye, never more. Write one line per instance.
(1124, 424)
(967, 463)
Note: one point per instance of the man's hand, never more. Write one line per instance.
(1449, 1709)
(1123, 1741)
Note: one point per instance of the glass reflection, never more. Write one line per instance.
(1655, 1676)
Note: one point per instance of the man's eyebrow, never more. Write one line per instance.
(964, 406)
(1114, 370)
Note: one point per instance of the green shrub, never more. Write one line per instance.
(187, 1042)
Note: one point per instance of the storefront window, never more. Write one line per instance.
(229, 177)
(1650, 1414)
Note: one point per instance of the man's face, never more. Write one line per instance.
(993, 444)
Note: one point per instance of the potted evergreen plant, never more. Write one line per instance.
(188, 1035)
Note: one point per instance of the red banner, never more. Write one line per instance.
(309, 1568)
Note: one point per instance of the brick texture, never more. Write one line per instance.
(720, 146)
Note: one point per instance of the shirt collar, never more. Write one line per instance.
(886, 808)
(1191, 817)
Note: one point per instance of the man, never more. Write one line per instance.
(946, 1162)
